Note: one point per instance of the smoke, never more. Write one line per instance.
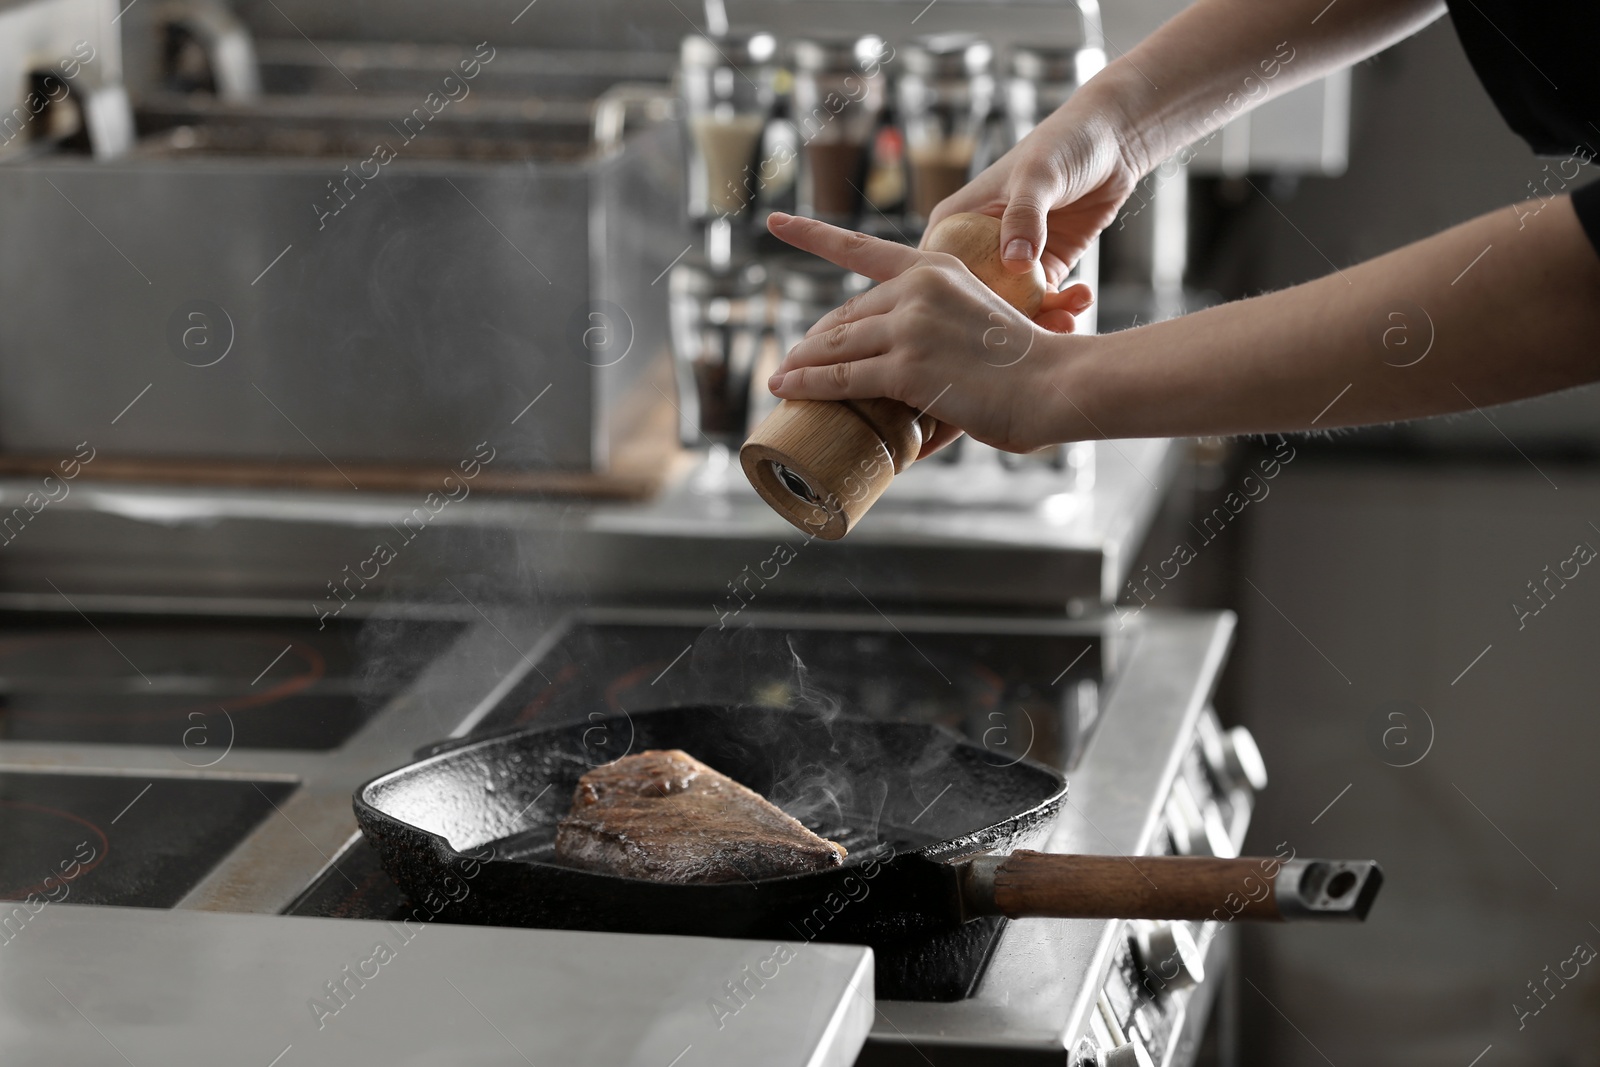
(809, 698)
(822, 772)
(829, 792)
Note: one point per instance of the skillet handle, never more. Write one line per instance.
(1043, 885)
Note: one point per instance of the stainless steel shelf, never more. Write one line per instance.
(688, 545)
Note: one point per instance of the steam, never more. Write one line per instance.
(856, 787)
(808, 697)
(831, 792)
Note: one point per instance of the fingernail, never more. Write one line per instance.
(779, 217)
(1019, 250)
(774, 382)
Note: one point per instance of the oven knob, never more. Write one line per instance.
(1169, 956)
(1218, 840)
(1242, 759)
(1180, 830)
(1185, 821)
(1130, 1055)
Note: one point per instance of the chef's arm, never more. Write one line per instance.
(1218, 58)
(1064, 182)
(1503, 307)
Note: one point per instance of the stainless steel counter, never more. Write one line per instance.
(105, 985)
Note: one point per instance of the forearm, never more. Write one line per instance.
(1218, 58)
(1437, 326)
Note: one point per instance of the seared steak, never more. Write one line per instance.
(667, 817)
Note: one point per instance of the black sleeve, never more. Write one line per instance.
(1586, 202)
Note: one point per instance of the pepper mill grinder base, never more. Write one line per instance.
(822, 464)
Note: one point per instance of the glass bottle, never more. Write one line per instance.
(726, 84)
(839, 93)
(718, 316)
(946, 94)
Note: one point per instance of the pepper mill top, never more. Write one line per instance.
(822, 464)
(975, 240)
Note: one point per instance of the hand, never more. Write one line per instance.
(932, 336)
(1053, 192)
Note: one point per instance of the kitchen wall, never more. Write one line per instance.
(1369, 585)
(1416, 703)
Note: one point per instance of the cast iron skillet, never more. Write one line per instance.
(937, 830)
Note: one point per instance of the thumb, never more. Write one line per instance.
(1022, 229)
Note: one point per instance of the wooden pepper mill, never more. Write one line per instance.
(822, 463)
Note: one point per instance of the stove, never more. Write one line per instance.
(1123, 708)
(153, 755)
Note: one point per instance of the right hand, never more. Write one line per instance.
(1054, 191)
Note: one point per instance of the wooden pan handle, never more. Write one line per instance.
(1042, 885)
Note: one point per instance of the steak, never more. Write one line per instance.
(666, 817)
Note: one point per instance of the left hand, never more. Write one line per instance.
(932, 336)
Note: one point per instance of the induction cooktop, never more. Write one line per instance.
(175, 681)
(118, 839)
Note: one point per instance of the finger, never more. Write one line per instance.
(859, 380)
(1022, 230)
(1057, 320)
(1056, 269)
(878, 259)
(942, 435)
(845, 342)
(876, 301)
(1075, 299)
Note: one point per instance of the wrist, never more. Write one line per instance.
(1076, 389)
(1116, 102)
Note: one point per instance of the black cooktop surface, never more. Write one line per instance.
(202, 685)
(1018, 694)
(113, 839)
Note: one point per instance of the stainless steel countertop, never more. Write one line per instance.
(87, 985)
